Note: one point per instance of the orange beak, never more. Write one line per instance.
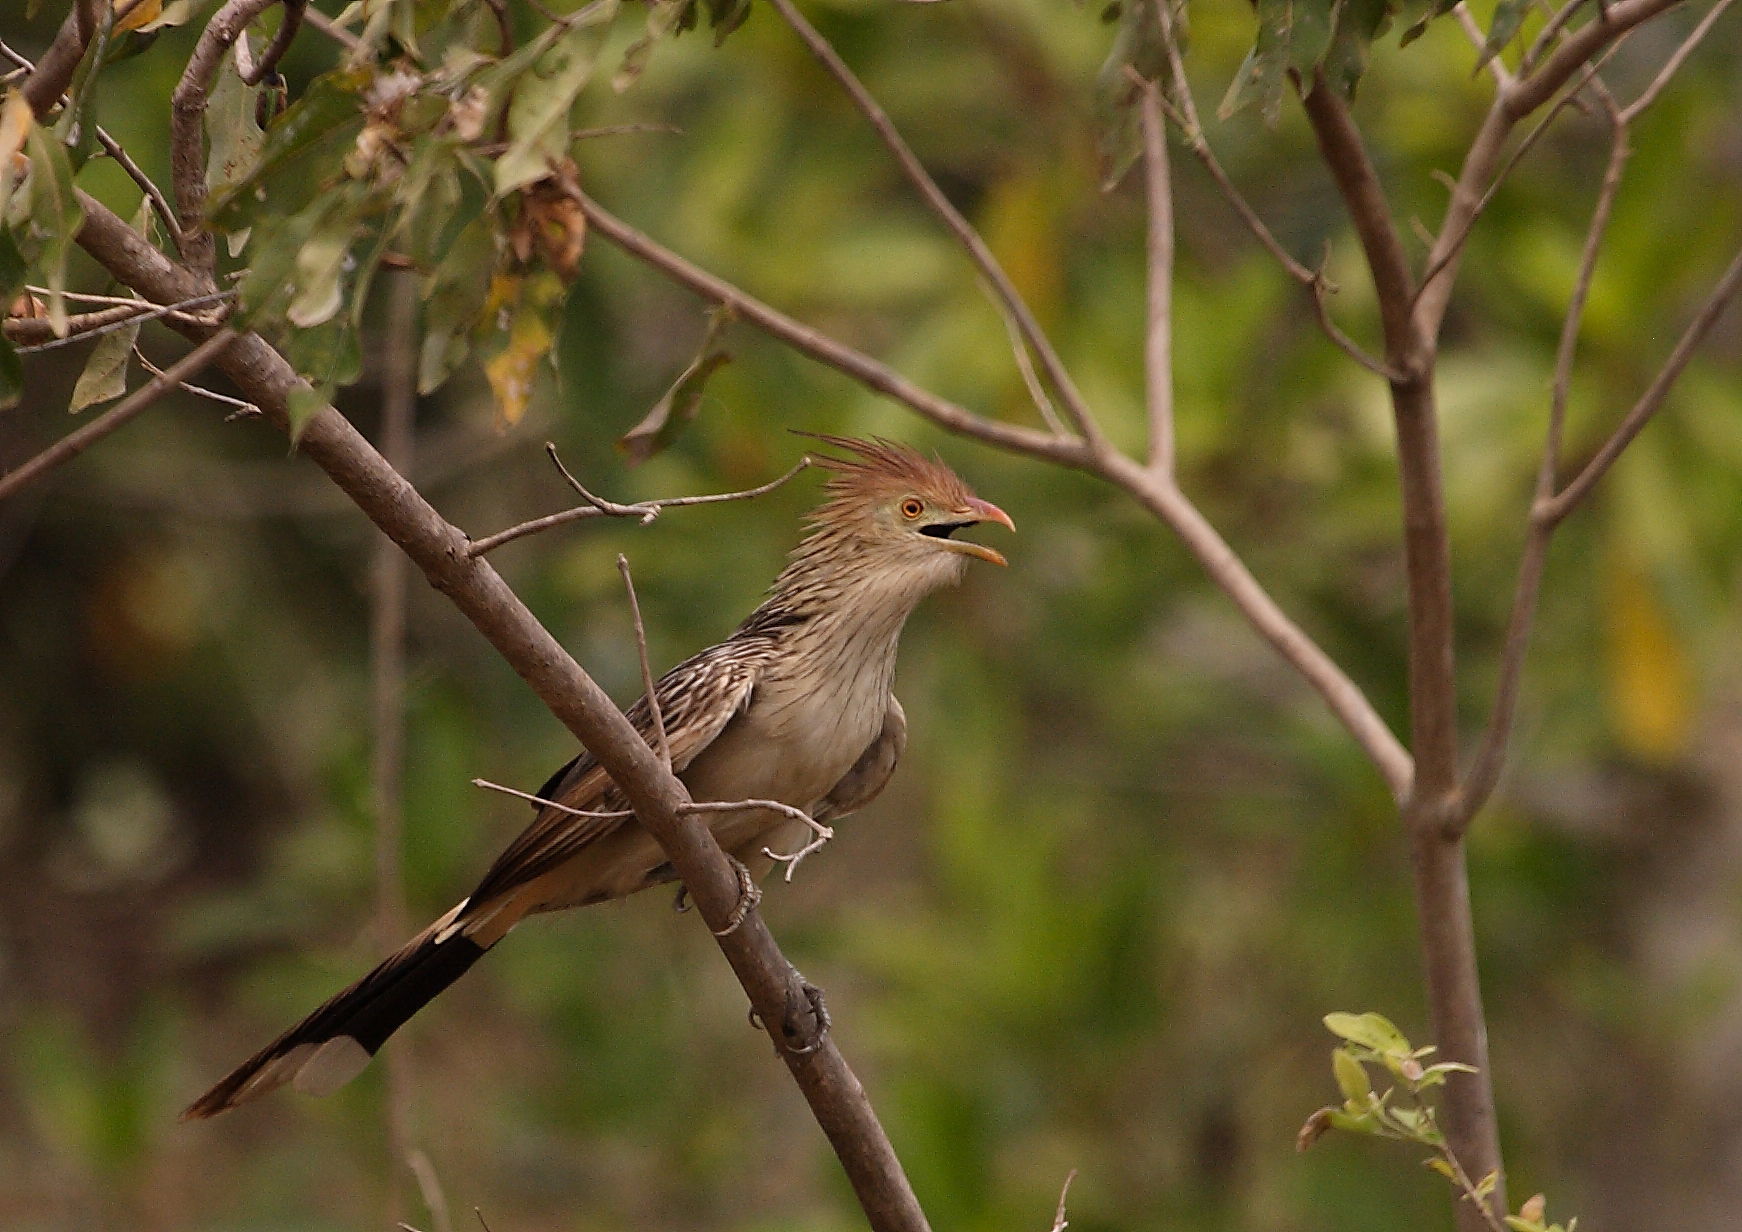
(984, 511)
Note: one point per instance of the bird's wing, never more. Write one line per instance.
(861, 785)
(697, 699)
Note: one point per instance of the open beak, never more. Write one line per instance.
(976, 511)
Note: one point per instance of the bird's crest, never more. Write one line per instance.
(885, 468)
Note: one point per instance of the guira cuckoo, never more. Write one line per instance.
(795, 706)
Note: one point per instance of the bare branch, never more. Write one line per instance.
(328, 28)
(242, 408)
(819, 346)
(1004, 291)
(1613, 20)
(820, 834)
(559, 806)
(29, 330)
(159, 204)
(74, 443)
(1484, 773)
(1673, 65)
(1465, 206)
(1158, 336)
(267, 65)
(661, 744)
(1059, 1222)
(1652, 399)
(1345, 155)
(646, 511)
(96, 324)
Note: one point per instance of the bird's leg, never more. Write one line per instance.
(792, 1028)
(749, 894)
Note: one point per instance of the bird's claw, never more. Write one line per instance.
(749, 894)
(792, 1028)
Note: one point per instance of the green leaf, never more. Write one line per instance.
(302, 153)
(1140, 47)
(681, 403)
(1370, 1031)
(455, 293)
(1351, 1076)
(1260, 77)
(105, 374)
(538, 114)
(663, 18)
(55, 215)
(1508, 17)
(320, 267)
(235, 139)
(304, 403)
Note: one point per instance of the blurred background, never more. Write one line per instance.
(1129, 862)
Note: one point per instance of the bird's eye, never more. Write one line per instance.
(912, 507)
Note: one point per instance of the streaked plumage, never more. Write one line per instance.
(795, 706)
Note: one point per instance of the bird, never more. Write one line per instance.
(795, 706)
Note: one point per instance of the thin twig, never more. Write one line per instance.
(1004, 291)
(1031, 379)
(1445, 251)
(429, 1186)
(646, 511)
(1158, 331)
(1673, 65)
(820, 834)
(110, 323)
(74, 443)
(328, 28)
(1059, 1222)
(616, 815)
(1484, 773)
(29, 330)
(661, 744)
(243, 408)
(1653, 398)
(267, 65)
(819, 346)
(159, 203)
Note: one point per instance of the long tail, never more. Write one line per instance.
(331, 1046)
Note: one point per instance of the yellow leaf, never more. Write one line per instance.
(141, 13)
(16, 121)
(1649, 681)
(511, 372)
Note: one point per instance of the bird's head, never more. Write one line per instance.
(893, 500)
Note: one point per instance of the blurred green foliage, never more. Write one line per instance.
(1130, 860)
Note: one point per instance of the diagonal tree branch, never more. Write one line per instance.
(440, 550)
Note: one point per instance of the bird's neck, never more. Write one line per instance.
(839, 600)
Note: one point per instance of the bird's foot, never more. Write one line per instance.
(749, 894)
(805, 1034)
